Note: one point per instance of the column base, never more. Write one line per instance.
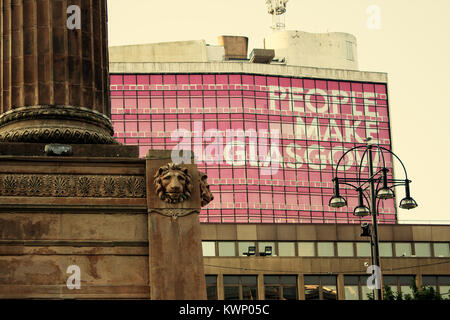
(56, 124)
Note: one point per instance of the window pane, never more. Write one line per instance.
(444, 291)
(211, 292)
(290, 293)
(329, 292)
(211, 287)
(211, 280)
(288, 280)
(306, 249)
(209, 248)
(286, 249)
(345, 249)
(249, 280)
(351, 280)
(385, 249)
(351, 293)
(403, 249)
(405, 280)
(406, 290)
(429, 280)
(230, 279)
(272, 292)
(363, 249)
(311, 292)
(312, 287)
(441, 250)
(231, 293)
(227, 249)
(365, 291)
(325, 249)
(249, 293)
(243, 247)
(271, 280)
(262, 247)
(390, 280)
(423, 249)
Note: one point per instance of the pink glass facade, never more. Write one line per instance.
(267, 143)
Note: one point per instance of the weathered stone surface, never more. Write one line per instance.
(54, 81)
(42, 234)
(175, 249)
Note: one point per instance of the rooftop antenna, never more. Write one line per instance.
(277, 8)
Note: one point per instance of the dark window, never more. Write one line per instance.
(211, 287)
(240, 287)
(280, 287)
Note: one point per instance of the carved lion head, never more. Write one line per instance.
(173, 183)
(205, 192)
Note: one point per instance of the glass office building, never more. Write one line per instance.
(268, 142)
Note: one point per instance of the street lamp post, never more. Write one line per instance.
(371, 185)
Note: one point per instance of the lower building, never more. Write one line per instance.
(316, 261)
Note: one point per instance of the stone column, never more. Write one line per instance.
(54, 81)
(174, 196)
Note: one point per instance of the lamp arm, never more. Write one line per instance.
(403, 166)
(342, 157)
(360, 164)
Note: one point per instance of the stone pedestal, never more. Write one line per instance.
(175, 247)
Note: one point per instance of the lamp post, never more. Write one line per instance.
(371, 185)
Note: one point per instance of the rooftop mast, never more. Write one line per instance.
(277, 8)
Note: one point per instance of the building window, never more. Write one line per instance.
(439, 283)
(345, 249)
(403, 249)
(280, 287)
(209, 248)
(325, 249)
(227, 249)
(320, 288)
(441, 250)
(286, 249)
(363, 249)
(306, 249)
(350, 55)
(399, 284)
(211, 287)
(422, 249)
(243, 247)
(385, 249)
(262, 246)
(356, 288)
(240, 287)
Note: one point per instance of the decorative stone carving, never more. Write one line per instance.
(173, 183)
(41, 185)
(205, 191)
(61, 124)
(174, 213)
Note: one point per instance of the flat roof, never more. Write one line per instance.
(246, 67)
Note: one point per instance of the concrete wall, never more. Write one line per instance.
(324, 50)
(251, 68)
(179, 51)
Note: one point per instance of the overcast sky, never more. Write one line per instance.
(412, 45)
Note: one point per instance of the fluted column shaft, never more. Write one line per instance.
(49, 71)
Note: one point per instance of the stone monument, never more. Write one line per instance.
(82, 216)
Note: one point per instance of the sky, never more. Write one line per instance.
(408, 39)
